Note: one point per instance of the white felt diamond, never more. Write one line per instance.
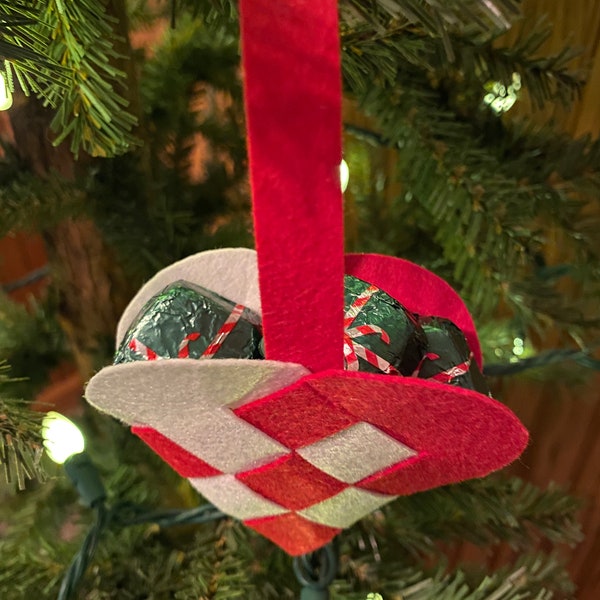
(345, 508)
(234, 498)
(225, 441)
(356, 452)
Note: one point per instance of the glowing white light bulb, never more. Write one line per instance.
(6, 98)
(344, 175)
(62, 438)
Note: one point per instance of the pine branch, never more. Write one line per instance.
(377, 51)
(32, 342)
(28, 202)
(546, 77)
(190, 88)
(22, 35)
(534, 576)
(468, 231)
(488, 511)
(76, 75)
(20, 438)
(475, 182)
(484, 512)
(190, 57)
(434, 16)
(216, 569)
(436, 19)
(90, 110)
(37, 541)
(484, 197)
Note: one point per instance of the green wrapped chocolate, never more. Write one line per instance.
(380, 335)
(187, 321)
(448, 358)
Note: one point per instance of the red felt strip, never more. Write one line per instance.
(184, 462)
(291, 63)
(292, 482)
(296, 418)
(295, 534)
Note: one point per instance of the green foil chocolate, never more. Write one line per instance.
(448, 358)
(184, 321)
(406, 340)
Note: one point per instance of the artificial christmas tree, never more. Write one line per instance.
(472, 192)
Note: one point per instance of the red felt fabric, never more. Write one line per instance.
(291, 66)
(294, 419)
(458, 433)
(185, 463)
(292, 482)
(416, 288)
(293, 533)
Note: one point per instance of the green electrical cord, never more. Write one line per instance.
(315, 571)
(122, 515)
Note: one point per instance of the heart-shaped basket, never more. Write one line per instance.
(294, 445)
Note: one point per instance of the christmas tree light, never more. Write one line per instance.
(62, 438)
(344, 175)
(6, 99)
(65, 444)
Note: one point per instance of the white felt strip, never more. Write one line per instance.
(230, 272)
(345, 508)
(234, 498)
(187, 401)
(356, 452)
(224, 441)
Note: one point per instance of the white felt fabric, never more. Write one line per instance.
(189, 402)
(356, 452)
(345, 508)
(236, 499)
(230, 272)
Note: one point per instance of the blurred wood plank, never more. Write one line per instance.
(13, 263)
(563, 421)
(63, 393)
(22, 262)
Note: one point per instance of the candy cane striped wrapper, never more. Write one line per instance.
(380, 336)
(187, 321)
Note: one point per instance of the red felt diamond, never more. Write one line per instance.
(185, 463)
(412, 475)
(295, 534)
(292, 482)
(297, 419)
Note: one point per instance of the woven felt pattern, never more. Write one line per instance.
(324, 485)
(300, 456)
(334, 447)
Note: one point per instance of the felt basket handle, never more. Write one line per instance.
(292, 81)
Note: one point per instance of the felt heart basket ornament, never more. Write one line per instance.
(294, 445)
(300, 456)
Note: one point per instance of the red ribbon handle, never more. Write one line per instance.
(292, 80)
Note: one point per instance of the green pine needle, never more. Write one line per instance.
(20, 439)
